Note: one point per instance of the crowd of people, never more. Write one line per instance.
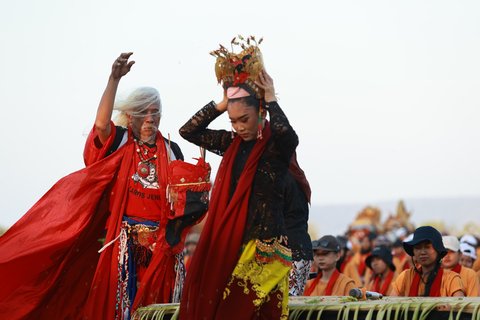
(116, 235)
(400, 264)
(423, 263)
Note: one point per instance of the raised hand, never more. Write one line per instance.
(265, 82)
(121, 66)
(222, 105)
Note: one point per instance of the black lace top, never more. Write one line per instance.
(267, 200)
(296, 220)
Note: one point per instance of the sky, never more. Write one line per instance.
(384, 95)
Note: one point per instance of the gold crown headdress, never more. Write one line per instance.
(240, 69)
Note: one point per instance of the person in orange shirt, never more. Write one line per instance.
(366, 246)
(345, 265)
(380, 262)
(451, 262)
(428, 278)
(329, 281)
(469, 255)
(401, 260)
(471, 240)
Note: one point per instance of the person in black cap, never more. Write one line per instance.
(427, 278)
(329, 281)
(381, 264)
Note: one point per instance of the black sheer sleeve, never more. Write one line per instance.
(282, 131)
(196, 132)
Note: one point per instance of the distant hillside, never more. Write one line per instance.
(455, 213)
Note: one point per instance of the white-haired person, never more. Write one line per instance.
(451, 261)
(103, 236)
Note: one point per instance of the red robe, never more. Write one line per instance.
(49, 259)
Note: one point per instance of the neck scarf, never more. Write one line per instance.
(220, 243)
(362, 266)
(330, 284)
(344, 263)
(457, 268)
(434, 290)
(386, 284)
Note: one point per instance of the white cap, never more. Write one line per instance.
(471, 240)
(451, 243)
(468, 250)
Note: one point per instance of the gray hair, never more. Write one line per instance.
(136, 103)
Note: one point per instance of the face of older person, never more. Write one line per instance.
(425, 254)
(451, 259)
(244, 119)
(145, 124)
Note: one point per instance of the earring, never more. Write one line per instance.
(233, 133)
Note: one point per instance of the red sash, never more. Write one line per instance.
(330, 284)
(220, 243)
(362, 266)
(376, 284)
(344, 263)
(457, 268)
(435, 288)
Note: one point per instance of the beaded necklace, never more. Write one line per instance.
(143, 168)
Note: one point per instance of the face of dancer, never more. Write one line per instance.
(451, 259)
(325, 260)
(425, 254)
(378, 265)
(145, 124)
(244, 119)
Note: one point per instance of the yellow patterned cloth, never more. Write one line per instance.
(264, 267)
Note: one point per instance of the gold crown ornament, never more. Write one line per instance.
(240, 69)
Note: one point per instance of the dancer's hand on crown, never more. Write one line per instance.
(121, 66)
(222, 105)
(265, 82)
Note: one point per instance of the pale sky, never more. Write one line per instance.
(384, 95)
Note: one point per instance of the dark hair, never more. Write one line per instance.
(431, 276)
(250, 101)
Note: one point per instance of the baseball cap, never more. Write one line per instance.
(327, 243)
(468, 250)
(451, 243)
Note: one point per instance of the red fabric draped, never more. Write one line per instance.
(299, 175)
(362, 266)
(344, 263)
(158, 283)
(49, 258)
(384, 288)
(218, 249)
(330, 284)
(102, 298)
(434, 289)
